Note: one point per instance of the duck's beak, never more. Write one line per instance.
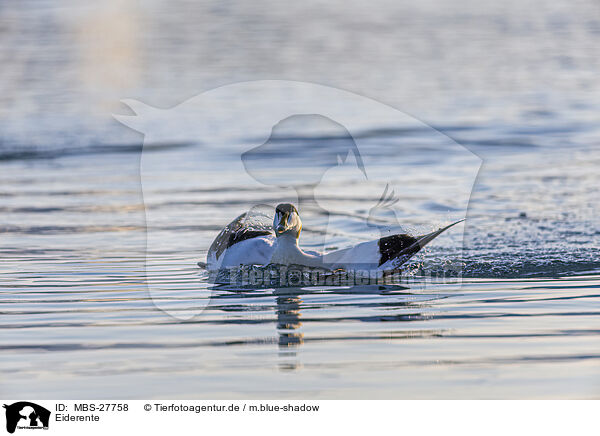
(280, 223)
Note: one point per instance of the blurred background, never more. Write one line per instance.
(66, 64)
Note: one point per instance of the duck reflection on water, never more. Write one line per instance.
(288, 325)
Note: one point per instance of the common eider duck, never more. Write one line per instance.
(237, 246)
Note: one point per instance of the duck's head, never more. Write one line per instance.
(287, 220)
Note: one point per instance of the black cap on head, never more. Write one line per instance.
(284, 208)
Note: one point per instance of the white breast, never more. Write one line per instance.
(255, 251)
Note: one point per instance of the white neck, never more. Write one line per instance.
(287, 252)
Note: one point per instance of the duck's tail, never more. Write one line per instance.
(410, 245)
(425, 239)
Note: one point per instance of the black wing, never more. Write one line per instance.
(233, 233)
